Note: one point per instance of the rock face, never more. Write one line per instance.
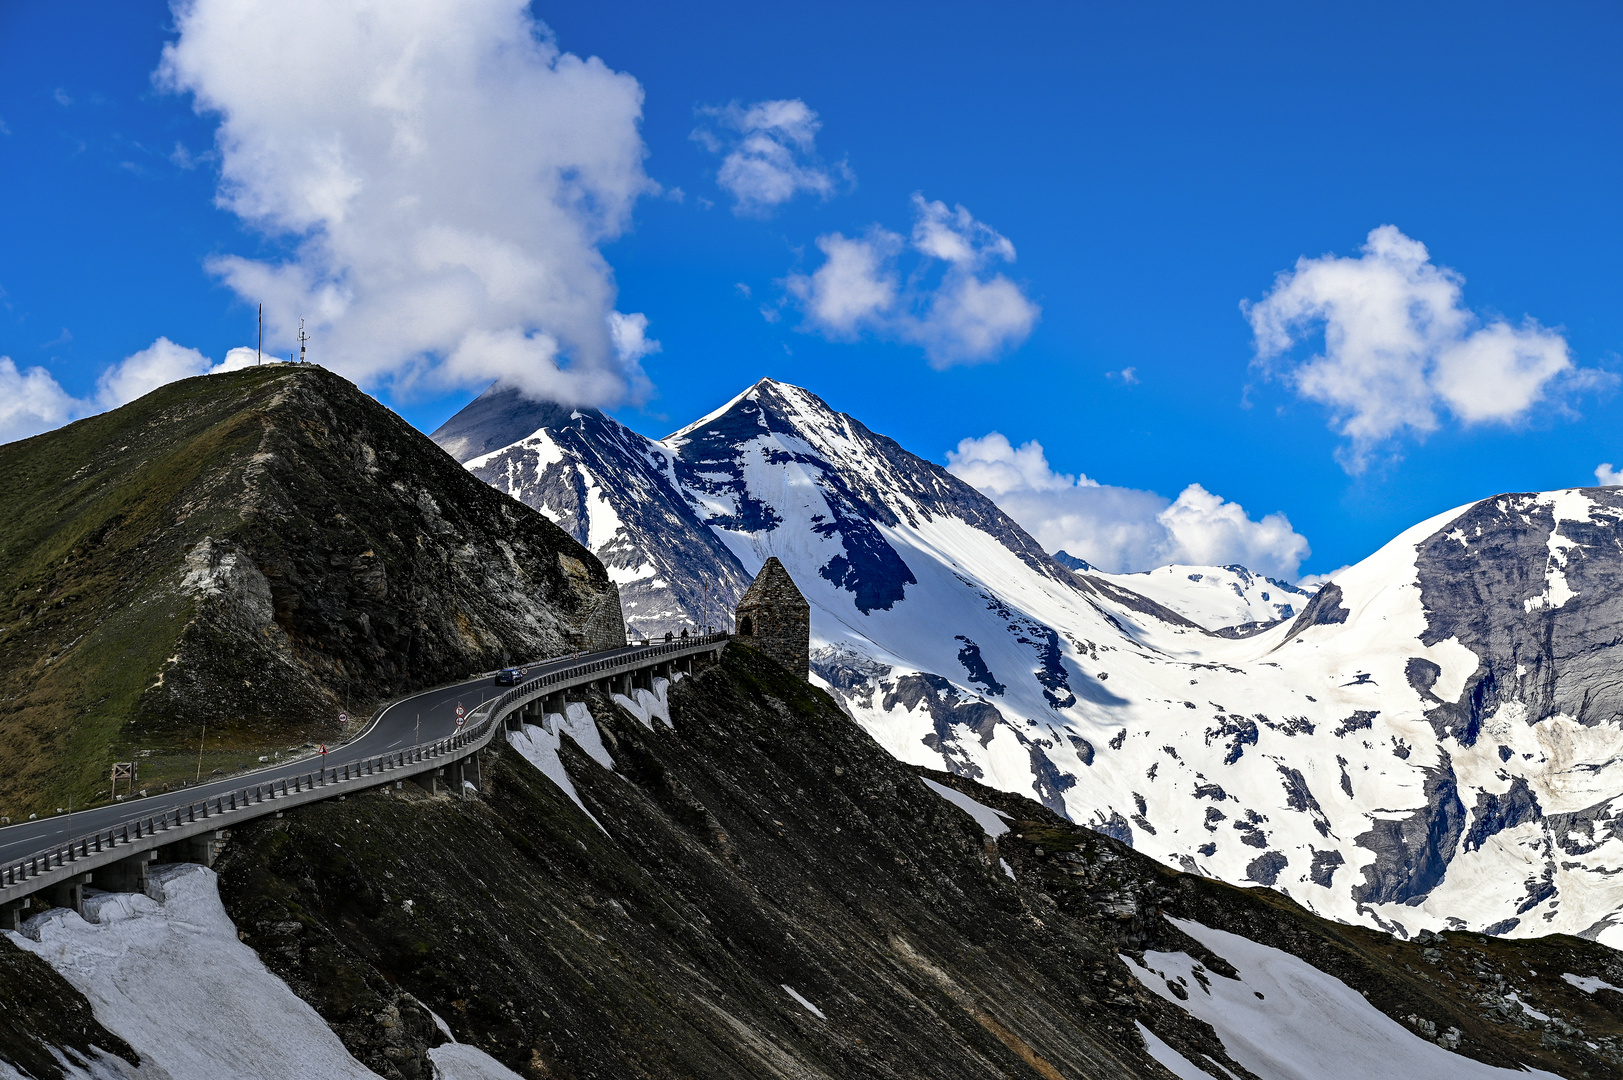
(614, 491)
(761, 891)
(774, 618)
(1446, 713)
(256, 552)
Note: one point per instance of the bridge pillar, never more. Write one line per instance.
(11, 915)
(125, 876)
(429, 781)
(642, 679)
(203, 848)
(664, 670)
(68, 894)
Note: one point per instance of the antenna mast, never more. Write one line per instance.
(259, 355)
(303, 337)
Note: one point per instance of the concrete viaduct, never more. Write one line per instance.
(191, 825)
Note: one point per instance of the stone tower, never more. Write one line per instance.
(774, 618)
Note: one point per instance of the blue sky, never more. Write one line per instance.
(1150, 167)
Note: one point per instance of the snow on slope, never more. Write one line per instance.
(1215, 596)
(1434, 740)
(1284, 1019)
(171, 979)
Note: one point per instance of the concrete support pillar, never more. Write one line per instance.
(429, 781)
(125, 876)
(68, 894)
(664, 670)
(471, 771)
(643, 679)
(11, 915)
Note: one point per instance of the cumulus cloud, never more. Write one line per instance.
(1606, 476)
(159, 364)
(445, 176)
(33, 401)
(1401, 348)
(951, 304)
(770, 151)
(1123, 530)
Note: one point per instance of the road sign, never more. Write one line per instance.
(459, 712)
(323, 749)
(343, 718)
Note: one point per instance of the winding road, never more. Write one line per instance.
(423, 717)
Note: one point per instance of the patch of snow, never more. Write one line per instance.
(1007, 869)
(539, 746)
(792, 992)
(459, 1061)
(171, 978)
(647, 706)
(1174, 1062)
(993, 822)
(1589, 984)
(1284, 1019)
(1526, 1008)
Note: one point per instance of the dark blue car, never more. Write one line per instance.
(508, 676)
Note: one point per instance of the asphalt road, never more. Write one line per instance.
(422, 718)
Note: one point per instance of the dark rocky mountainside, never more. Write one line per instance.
(256, 551)
(766, 844)
(614, 491)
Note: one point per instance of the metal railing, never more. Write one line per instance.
(473, 737)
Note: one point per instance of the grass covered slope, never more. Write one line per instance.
(771, 895)
(254, 551)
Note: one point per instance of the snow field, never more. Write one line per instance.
(1284, 1019)
(171, 978)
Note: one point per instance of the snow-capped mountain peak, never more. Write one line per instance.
(1441, 720)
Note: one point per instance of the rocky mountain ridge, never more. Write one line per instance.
(254, 552)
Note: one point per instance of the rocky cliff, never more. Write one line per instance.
(255, 552)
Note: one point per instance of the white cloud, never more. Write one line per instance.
(31, 401)
(1606, 476)
(447, 176)
(967, 315)
(1123, 530)
(770, 154)
(140, 373)
(1400, 347)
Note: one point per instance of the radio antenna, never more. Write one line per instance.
(259, 354)
(303, 337)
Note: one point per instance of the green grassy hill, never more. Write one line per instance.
(254, 552)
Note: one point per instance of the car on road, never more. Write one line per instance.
(508, 676)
